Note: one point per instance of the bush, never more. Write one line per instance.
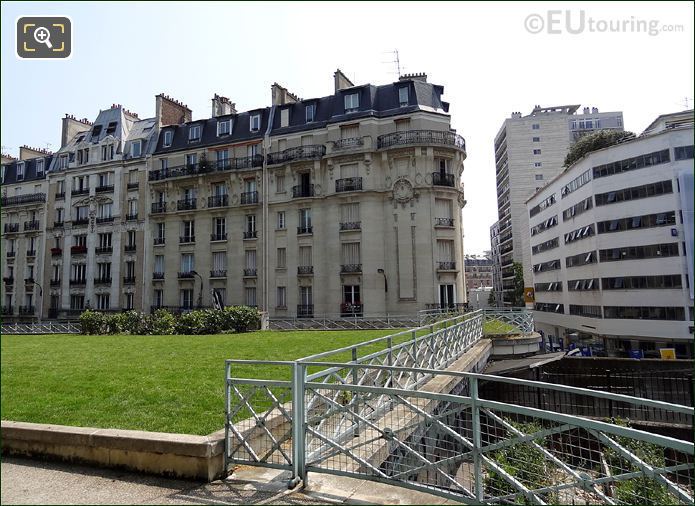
(92, 322)
(243, 318)
(162, 322)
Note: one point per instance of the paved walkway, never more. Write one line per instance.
(27, 481)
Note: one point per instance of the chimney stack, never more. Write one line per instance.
(415, 77)
(594, 110)
(341, 81)
(27, 152)
(221, 106)
(586, 110)
(71, 127)
(6, 158)
(170, 111)
(280, 95)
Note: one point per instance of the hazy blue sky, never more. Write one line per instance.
(489, 64)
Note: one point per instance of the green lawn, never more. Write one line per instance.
(495, 327)
(153, 383)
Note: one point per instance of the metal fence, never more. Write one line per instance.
(384, 410)
(41, 328)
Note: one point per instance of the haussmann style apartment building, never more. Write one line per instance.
(611, 243)
(345, 205)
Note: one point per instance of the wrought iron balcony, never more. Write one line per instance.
(351, 142)
(105, 219)
(218, 237)
(350, 268)
(446, 266)
(300, 191)
(78, 250)
(305, 270)
(351, 225)
(159, 207)
(11, 254)
(31, 252)
(31, 225)
(56, 252)
(348, 309)
(128, 280)
(222, 273)
(78, 282)
(8, 280)
(305, 311)
(186, 275)
(158, 275)
(104, 188)
(186, 204)
(131, 217)
(11, 228)
(159, 241)
(102, 281)
(186, 239)
(60, 196)
(133, 186)
(349, 184)
(407, 137)
(443, 222)
(6, 310)
(80, 221)
(250, 272)
(17, 200)
(27, 310)
(442, 179)
(218, 201)
(79, 191)
(311, 152)
(58, 224)
(129, 248)
(249, 198)
(250, 234)
(103, 250)
(305, 230)
(206, 167)
(29, 280)
(55, 282)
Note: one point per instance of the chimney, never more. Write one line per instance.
(8, 158)
(280, 95)
(71, 127)
(341, 81)
(586, 110)
(594, 110)
(27, 152)
(221, 106)
(414, 77)
(170, 111)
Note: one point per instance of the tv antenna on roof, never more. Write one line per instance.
(396, 61)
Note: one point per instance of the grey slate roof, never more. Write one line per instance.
(29, 170)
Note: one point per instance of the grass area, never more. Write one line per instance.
(153, 383)
(496, 327)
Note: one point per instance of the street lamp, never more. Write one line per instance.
(386, 289)
(200, 295)
(41, 298)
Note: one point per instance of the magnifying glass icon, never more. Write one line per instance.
(43, 36)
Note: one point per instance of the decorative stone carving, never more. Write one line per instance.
(402, 190)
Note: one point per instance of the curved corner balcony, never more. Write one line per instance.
(418, 137)
(311, 152)
(206, 167)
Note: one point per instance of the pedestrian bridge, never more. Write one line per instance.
(409, 409)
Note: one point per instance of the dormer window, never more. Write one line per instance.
(168, 136)
(352, 102)
(96, 132)
(403, 96)
(111, 128)
(20, 171)
(39, 167)
(255, 122)
(194, 133)
(285, 117)
(62, 162)
(107, 152)
(310, 112)
(136, 148)
(224, 127)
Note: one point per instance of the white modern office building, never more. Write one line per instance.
(611, 245)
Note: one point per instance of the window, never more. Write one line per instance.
(20, 171)
(284, 117)
(80, 240)
(683, 152)
(104, 271)
(637, 162)
(250, 294)
(161, 230)
(577, 209)
(349, 131)
(251, 224)
(539, 177)
(224, 127)
(551, 265)
(581, 259)
(186, 298)
(545, 246)
(639, 252)
(39, 167)
(77, 302)
(132, 207)
(644, 313)
(131, 238)
(635, 193)
(188, 231)
(159, 264)
(168, 137)
(536, 139)
(136, 148)
(310, 113)
(194, 133)
(305, 256)
(536, 126)
(105, 240)
(223, 159)
(352, 102)
(219, 262)
(219, 227)
(158, 298)
(549, 201)
(252, 150)
(133, 177)
(636, 222)
(255, 122)
(281, 220)
(305, 221)
(105, 179)
(280, 183)
(403, 96)
(538, 164)
(82, 213)
(105, 210)
(62, 162)
(250, 259)
(281, 258)
(281, 297)
(588, 311)
(642, 282)
(191, 159)
(350, 256)
(107, 152)
(111, 127)
(536, 151)
(187, 264)
(544, 225)
(306, 296)
(79, 272)
(129, 300)
(350, 215)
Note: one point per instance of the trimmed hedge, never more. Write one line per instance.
(162, 322)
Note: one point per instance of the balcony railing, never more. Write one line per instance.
(305, 311)
(102, 281)
(159, 207)
(80, 221)
(79, 191)
(351, 142)
(186, 239)
(311, 152)
(349, 184)
(159, 241)
(55, 282)
(31, 252)
(129, 248)
(218, 237)
(442, 179)
(421, 137)
(250, 234)
(104, 188)
(27, 310)
(249, 198)
(250, 272)
(131, 217)
(6, 310)
(206, 167)
(446, 266)
(78, 282)
(78, 250)
(22, 199)
(458, 306)
(58, 224)
(185, 275)
(348, 309)
(11, 228)
(222, 273)
(305, 230)
(443, 222)
(105, 219)
(351, 225)
(305, 270)
(29, 280)
(60, 196)
(103, 250)
(218, 201)
(31, 225)
(8, 280)
(305, 190)
(128, 280)
(349, 268)
(133, 186)
(186, 204)
(11, 254)
(158, 275)
(56, 252)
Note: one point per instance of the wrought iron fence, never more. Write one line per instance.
(41, 328)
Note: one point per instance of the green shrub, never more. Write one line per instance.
(243, 318)
(92, 322)
(162, 322)
(189, 323)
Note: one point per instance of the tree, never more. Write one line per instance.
(518, 294)
(594, 141)
(491, 301)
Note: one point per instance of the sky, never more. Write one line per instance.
(487, 56)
